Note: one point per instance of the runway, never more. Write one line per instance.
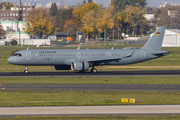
(90, 87)
(99, 74)
(92, 110)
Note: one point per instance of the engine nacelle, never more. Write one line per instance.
(80, 66)
(62, 67)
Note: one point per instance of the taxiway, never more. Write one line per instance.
(91, 110)
(99, 74)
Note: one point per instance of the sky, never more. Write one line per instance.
(105, 2)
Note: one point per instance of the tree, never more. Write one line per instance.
(135, 16)
(157, 12)
(121, 20)
(63, 15)
(89, 1)
(119, 4)
(2, 33)
(14, 42)
(8, 5)
(53, 9)
(38, 24)
(122, 4)
(83, 9)
(71, 23)
(84, 2)
(97, 21)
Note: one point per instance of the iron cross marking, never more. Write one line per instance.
(48, 59)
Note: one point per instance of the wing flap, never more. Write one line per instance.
(105, 59)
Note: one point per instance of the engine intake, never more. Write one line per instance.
(62, 67)
(80, 66)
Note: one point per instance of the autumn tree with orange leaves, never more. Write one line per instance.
(97, 21)
(38, 24)
(71, 23)
(81, 10)
(135, 16)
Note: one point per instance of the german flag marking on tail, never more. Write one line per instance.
(158, 33)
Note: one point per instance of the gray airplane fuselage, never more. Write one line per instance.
(82, 60)
(38, 57)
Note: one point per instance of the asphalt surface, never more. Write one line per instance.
(91, 110)
(90, 87)
(99, 74)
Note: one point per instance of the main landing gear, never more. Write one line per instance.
(93, 70)
(26, 70)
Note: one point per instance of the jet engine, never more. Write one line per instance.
(80, 66)
(62, 67)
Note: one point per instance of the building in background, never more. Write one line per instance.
(166, 3)
(14, 14)
(36, 42)
(149, 17)
(171, 38)
(27, 4)
(39, 6)
(163, 5)
(13, 21)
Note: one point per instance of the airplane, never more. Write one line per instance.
(83, 59)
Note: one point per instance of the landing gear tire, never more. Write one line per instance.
(25, 71)
(94, 70)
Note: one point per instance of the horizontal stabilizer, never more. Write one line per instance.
(161, 53)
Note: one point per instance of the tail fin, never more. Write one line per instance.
(155, 42)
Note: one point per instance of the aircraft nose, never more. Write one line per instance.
(10, 60)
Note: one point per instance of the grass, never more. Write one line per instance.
(166, 80)
(107, 117)
(171, 61)
(72, 98)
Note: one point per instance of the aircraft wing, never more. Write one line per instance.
(110, 59)
(100, 60)
(105, 59)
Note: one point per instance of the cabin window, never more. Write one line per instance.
(18, 55)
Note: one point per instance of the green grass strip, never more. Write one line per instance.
(72, 98)
(165, 80)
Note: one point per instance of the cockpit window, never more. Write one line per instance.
(17, 54)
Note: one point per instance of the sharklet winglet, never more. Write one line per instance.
(131, 54)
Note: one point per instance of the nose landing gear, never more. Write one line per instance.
(26, 70)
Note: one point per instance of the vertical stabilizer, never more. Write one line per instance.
(155, 42)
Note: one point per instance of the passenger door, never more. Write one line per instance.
(28, 55)
(143, 55)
